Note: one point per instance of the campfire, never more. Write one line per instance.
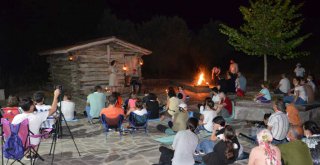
(201, 81)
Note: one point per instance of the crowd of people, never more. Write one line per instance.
(283, 139)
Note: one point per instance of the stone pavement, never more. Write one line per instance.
(96, 148)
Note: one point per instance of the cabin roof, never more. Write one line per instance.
(95, 42)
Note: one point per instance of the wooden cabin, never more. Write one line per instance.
(82, 66)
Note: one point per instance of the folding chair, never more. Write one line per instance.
(109, 123)
(25, 134)
(136, 122)
(9, 112)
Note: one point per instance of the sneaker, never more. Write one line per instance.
(201, 152)
(196, 153)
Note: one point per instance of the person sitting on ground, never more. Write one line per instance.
(278, 123)
(139, 109)
(312, 134)
(202, 107)
(112, 111)
(224, 109)
(172, 105)
(146, 96)
(152, 106)
(215, 95)
(308, 89)
(184, 144)
(310, 81)
(264, 95)
(36, 118)
(179, 121)
(96, 101)
(299, 97)
(205, 122)
(241, 84)
(225, 151)
(67, 107)
(184, 95)
(299, 70)
(265, 153)
(295, 152)
(284, 85)
(180, 97)
(206, 146)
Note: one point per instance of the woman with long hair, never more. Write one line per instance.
(113, 81)
(265, 153)
(225, 151)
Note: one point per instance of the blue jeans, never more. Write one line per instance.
(206, 146)
(88, 113)
(199, 128)
(289, 99)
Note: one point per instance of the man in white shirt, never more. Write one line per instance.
(278, 123)
(35, 118)
(299, 71)
(283, 86)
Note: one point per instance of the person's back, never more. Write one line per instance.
(295, 153)
(153, 108)
(243, 83)
(112, 112)
(67, 108)
(97, 101)
(184, 144)
(284, 85)
(260, 157)
(173, 105)
(180, 120)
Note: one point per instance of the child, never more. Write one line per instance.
(264, 95)
(139, 110)
(206, 118)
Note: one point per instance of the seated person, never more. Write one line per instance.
(312, 134)
(135, 81)
(184, 95)
(67, 107)
(96, 101)
(203, 106)
(36, 118)
(184, 144)
(224, 109)
(41, 107)
(299, 97)
(12, 108)
(265, 153)
(172, 105)
(226, 151)
(215, 95)
(152, 106)
(139, 110)
(132, 102)
(284, 85)
(112, 111)
(294, 118)
(308, 89)
(205, 122)
(179, 121)
(119, 102)
(264, 95)
(295, 152)
(207, 145)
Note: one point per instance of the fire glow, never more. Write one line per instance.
(201, 79)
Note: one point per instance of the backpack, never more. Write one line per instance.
(13, 147)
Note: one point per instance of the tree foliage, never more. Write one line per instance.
(271, 28)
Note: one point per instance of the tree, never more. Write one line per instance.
(270, 28)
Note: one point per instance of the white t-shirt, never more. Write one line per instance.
(302, 92)
(216, 98)
(140, 112)
(208, 117)
(184, 145)
(35, 121)
(67, 108)
(284, 85)
(51, 120)
(280, 125)
(299, 72)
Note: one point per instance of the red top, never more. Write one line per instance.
(229, 105)
(112, 112)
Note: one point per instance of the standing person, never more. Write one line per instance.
(284, 85)
(67, 107)
(184, 144)
(226, 151)
(135, 81)
(265, 153)
(278, 123)
(299, 71)
(264, 95)
(113, 80)
(96, 101)
(299, 97)
(35, 118)
(233, 69)
(312, 134)
(215, 72)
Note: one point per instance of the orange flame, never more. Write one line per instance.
(201, 79)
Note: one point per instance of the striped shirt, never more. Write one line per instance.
(280, 125)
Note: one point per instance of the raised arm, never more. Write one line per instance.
(54, 102)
